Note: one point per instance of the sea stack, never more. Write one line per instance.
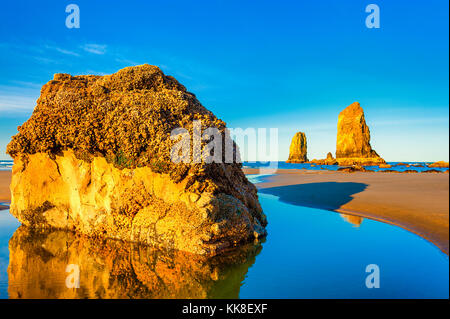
(353, 138)
(330, 160)
(95, 158)
(330, 156)
(298, 149)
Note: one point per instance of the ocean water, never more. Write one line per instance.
(308, 253)
(5, 165)
(415, 166)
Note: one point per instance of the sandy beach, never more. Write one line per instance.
(5, 194)
(416, 202)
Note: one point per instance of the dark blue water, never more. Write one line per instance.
(309, 253)
(415, 166)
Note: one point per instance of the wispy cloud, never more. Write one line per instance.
(17, 99)
(26, 84)
(67, 52)
(61, 50)
(95, 48)
(127, 61)
(46, 60)
(14, 103)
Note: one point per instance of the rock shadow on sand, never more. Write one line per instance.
(326, 195)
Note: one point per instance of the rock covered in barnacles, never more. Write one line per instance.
(95, 158)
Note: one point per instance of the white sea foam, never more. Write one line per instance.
(6, 165)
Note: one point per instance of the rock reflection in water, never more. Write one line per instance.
(114, 269)
(353, 219)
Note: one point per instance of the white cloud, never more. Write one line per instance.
(18, 99)
(14, 103)
(61, 50)
(46, 60)
(127, 62)
(95, 48)
(24, 84)
(67, 52)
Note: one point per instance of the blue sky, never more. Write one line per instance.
(293, 65)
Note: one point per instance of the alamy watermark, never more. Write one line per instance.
(73, 19)
(373, 19)
(211, 145)
(373, 279)
(73, 279)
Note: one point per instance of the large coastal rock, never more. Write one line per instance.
(44, 264)
(353, 138)
(298, 149)
(95, 158)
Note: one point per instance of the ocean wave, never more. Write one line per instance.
(6, 165)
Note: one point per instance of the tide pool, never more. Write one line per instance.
(308, 253)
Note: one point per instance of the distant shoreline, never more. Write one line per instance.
(392, 167)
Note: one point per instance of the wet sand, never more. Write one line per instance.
(416, 202)
(5, 195)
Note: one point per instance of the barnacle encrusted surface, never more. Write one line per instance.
(105, 142)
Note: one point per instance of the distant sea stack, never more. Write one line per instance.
(330, 160)
(298, 149)
(353, 138)
(95, 158)
(439, 164)
(330, 156)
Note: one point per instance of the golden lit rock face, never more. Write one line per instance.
(440, 164)
(353, 138)
(353, 219)
(330, 160)
(95, 158)
(111, 269)
(298, 149)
